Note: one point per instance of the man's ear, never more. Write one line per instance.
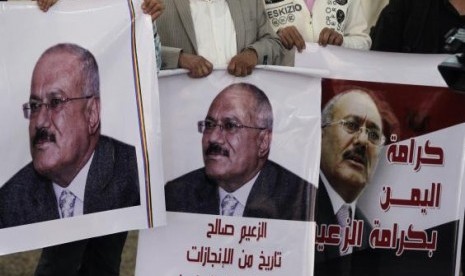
(93, 113)
(264, 143)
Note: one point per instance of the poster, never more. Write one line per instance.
(392, 149)
(275, 232)
(93, 132)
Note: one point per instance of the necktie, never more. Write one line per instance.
(66, 203)
(309, 4)
(344, 216)
(228, 205)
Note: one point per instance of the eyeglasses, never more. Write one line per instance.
(33, 106)
(374, 135)
(229, 127)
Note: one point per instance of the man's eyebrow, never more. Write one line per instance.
(53, 93)
(56, 93)
(233, 118)
(210, 118)
(34, 98)
(370, 124)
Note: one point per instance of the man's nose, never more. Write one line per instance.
(361, 136)
(217, 135)
(42, 118)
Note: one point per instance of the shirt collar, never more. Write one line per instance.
(242, 193)
(335, 198)
(78, 184)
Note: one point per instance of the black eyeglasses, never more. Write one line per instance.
(229, 127)
(33, 106)
(374, 135)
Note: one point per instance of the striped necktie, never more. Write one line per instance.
(66, 203)
(228, 205)
(344, 216)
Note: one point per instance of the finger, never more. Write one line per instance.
(155, 15)
(324, 36)
(249, 70)
(335, 38)
(204, 70)
(197, 72)
(339, 39)
(298, 40)
(232, 67)
(147, 5)
(44, 5)
(239, 72)
(286, 40)
(209, 65)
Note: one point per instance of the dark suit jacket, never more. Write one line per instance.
(112, 182)
(176, 30)
(329, 261)
(277, 194)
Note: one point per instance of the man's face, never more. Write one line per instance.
(349, 159)
(232, 159)
(59, 138)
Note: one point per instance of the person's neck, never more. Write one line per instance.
(64, 177)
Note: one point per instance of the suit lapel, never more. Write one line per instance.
(259, 202)
(184, 11)
(208, 197)
(100, 172)
(45, 198)
(325, 215)
(238, 19)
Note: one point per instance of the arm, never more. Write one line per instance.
(267, 45)
(264, 48)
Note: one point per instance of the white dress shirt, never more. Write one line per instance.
(77, 187)
(241, 194)
(214, 30)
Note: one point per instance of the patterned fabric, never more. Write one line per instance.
(344, 216)
(228, 205)
(156, 41)
(67, 201)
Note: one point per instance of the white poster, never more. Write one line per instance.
(81, 146)
(214, 131)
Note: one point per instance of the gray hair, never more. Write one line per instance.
(88, 66)
(263, 107)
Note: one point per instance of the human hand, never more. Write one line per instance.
(198, 66)
(290, 37)
(329, 36)
(44, 5)
(154, 8)
(243, 63)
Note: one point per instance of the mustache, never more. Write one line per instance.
(357, 153)
(43, 135)
(215, 149)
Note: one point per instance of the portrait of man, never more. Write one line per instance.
(238, 179)
(352, 138)
(75, 170)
